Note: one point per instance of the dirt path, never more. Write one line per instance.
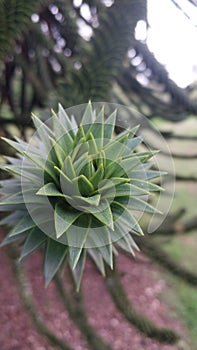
(18, 333)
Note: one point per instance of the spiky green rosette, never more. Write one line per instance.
(74, 191)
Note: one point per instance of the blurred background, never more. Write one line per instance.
(140, 54)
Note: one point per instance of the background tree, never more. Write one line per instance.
(45, 59)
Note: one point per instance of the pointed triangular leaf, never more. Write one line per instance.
(7, 240)
(86, 202)
(49, 190)
(85, 188)
(19, 147)
(148, 186)
(140, 205)
(54, 257)
(67, 186)
(105, 215)
(131, 145)
(122, 214)
(65, 120)
(68, 168)
(34, 240)
(97, 129)
(115, 148)
(87, 118)
(76, 237)
(120, 237)
(12, 219)
(112, 183)
(59, 151)
(79, 150)
(97, 258)
(97, 176)
(23, 225)
(78, 271)
(64, 219)
(43, 131)
(100, 238)
(109, 127)
(93, 149)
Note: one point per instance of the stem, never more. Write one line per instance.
(154, 252)
(146, 326)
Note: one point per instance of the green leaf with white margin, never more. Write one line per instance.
(11, 207)
(120, 237)
(116, 147)
(132, 144)
(16, 198)
(133, 131)
(80, 137)
(44, 132)
(68, 168)
(97, 258)
(108, 184)
(49, 190)
(67, 186)
(19, 147)
(148, 186)
(88, 117)
(18, 171)
(34, 240)
(64, 219)
(97, 176)
(43, 163)
(78, 271)
(65, 120)
(12, 218)
(100, 238)
(146, 175)
(86, 202)
(84, 186)
(123, 215)
(81, 162)
(62, 133)
(23, 225)
(125, 190)
(140, 205)
(79, 150)
(123, 231)
(76, 238)
(109, 127)
(97, 129)
(8, 240)
(87, 170)
(104, 215)
(59, 151)
(93, 149)
(54, 257)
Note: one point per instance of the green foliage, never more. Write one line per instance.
(75, 190)
(108, 48)
(15, 16)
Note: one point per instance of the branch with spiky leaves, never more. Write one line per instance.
(75, 190)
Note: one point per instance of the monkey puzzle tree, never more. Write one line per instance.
(46, 59)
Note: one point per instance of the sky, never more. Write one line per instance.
(173, 38)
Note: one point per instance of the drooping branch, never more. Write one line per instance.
(146, 326)
(25, 293)
(150, 248)
(77, 313)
